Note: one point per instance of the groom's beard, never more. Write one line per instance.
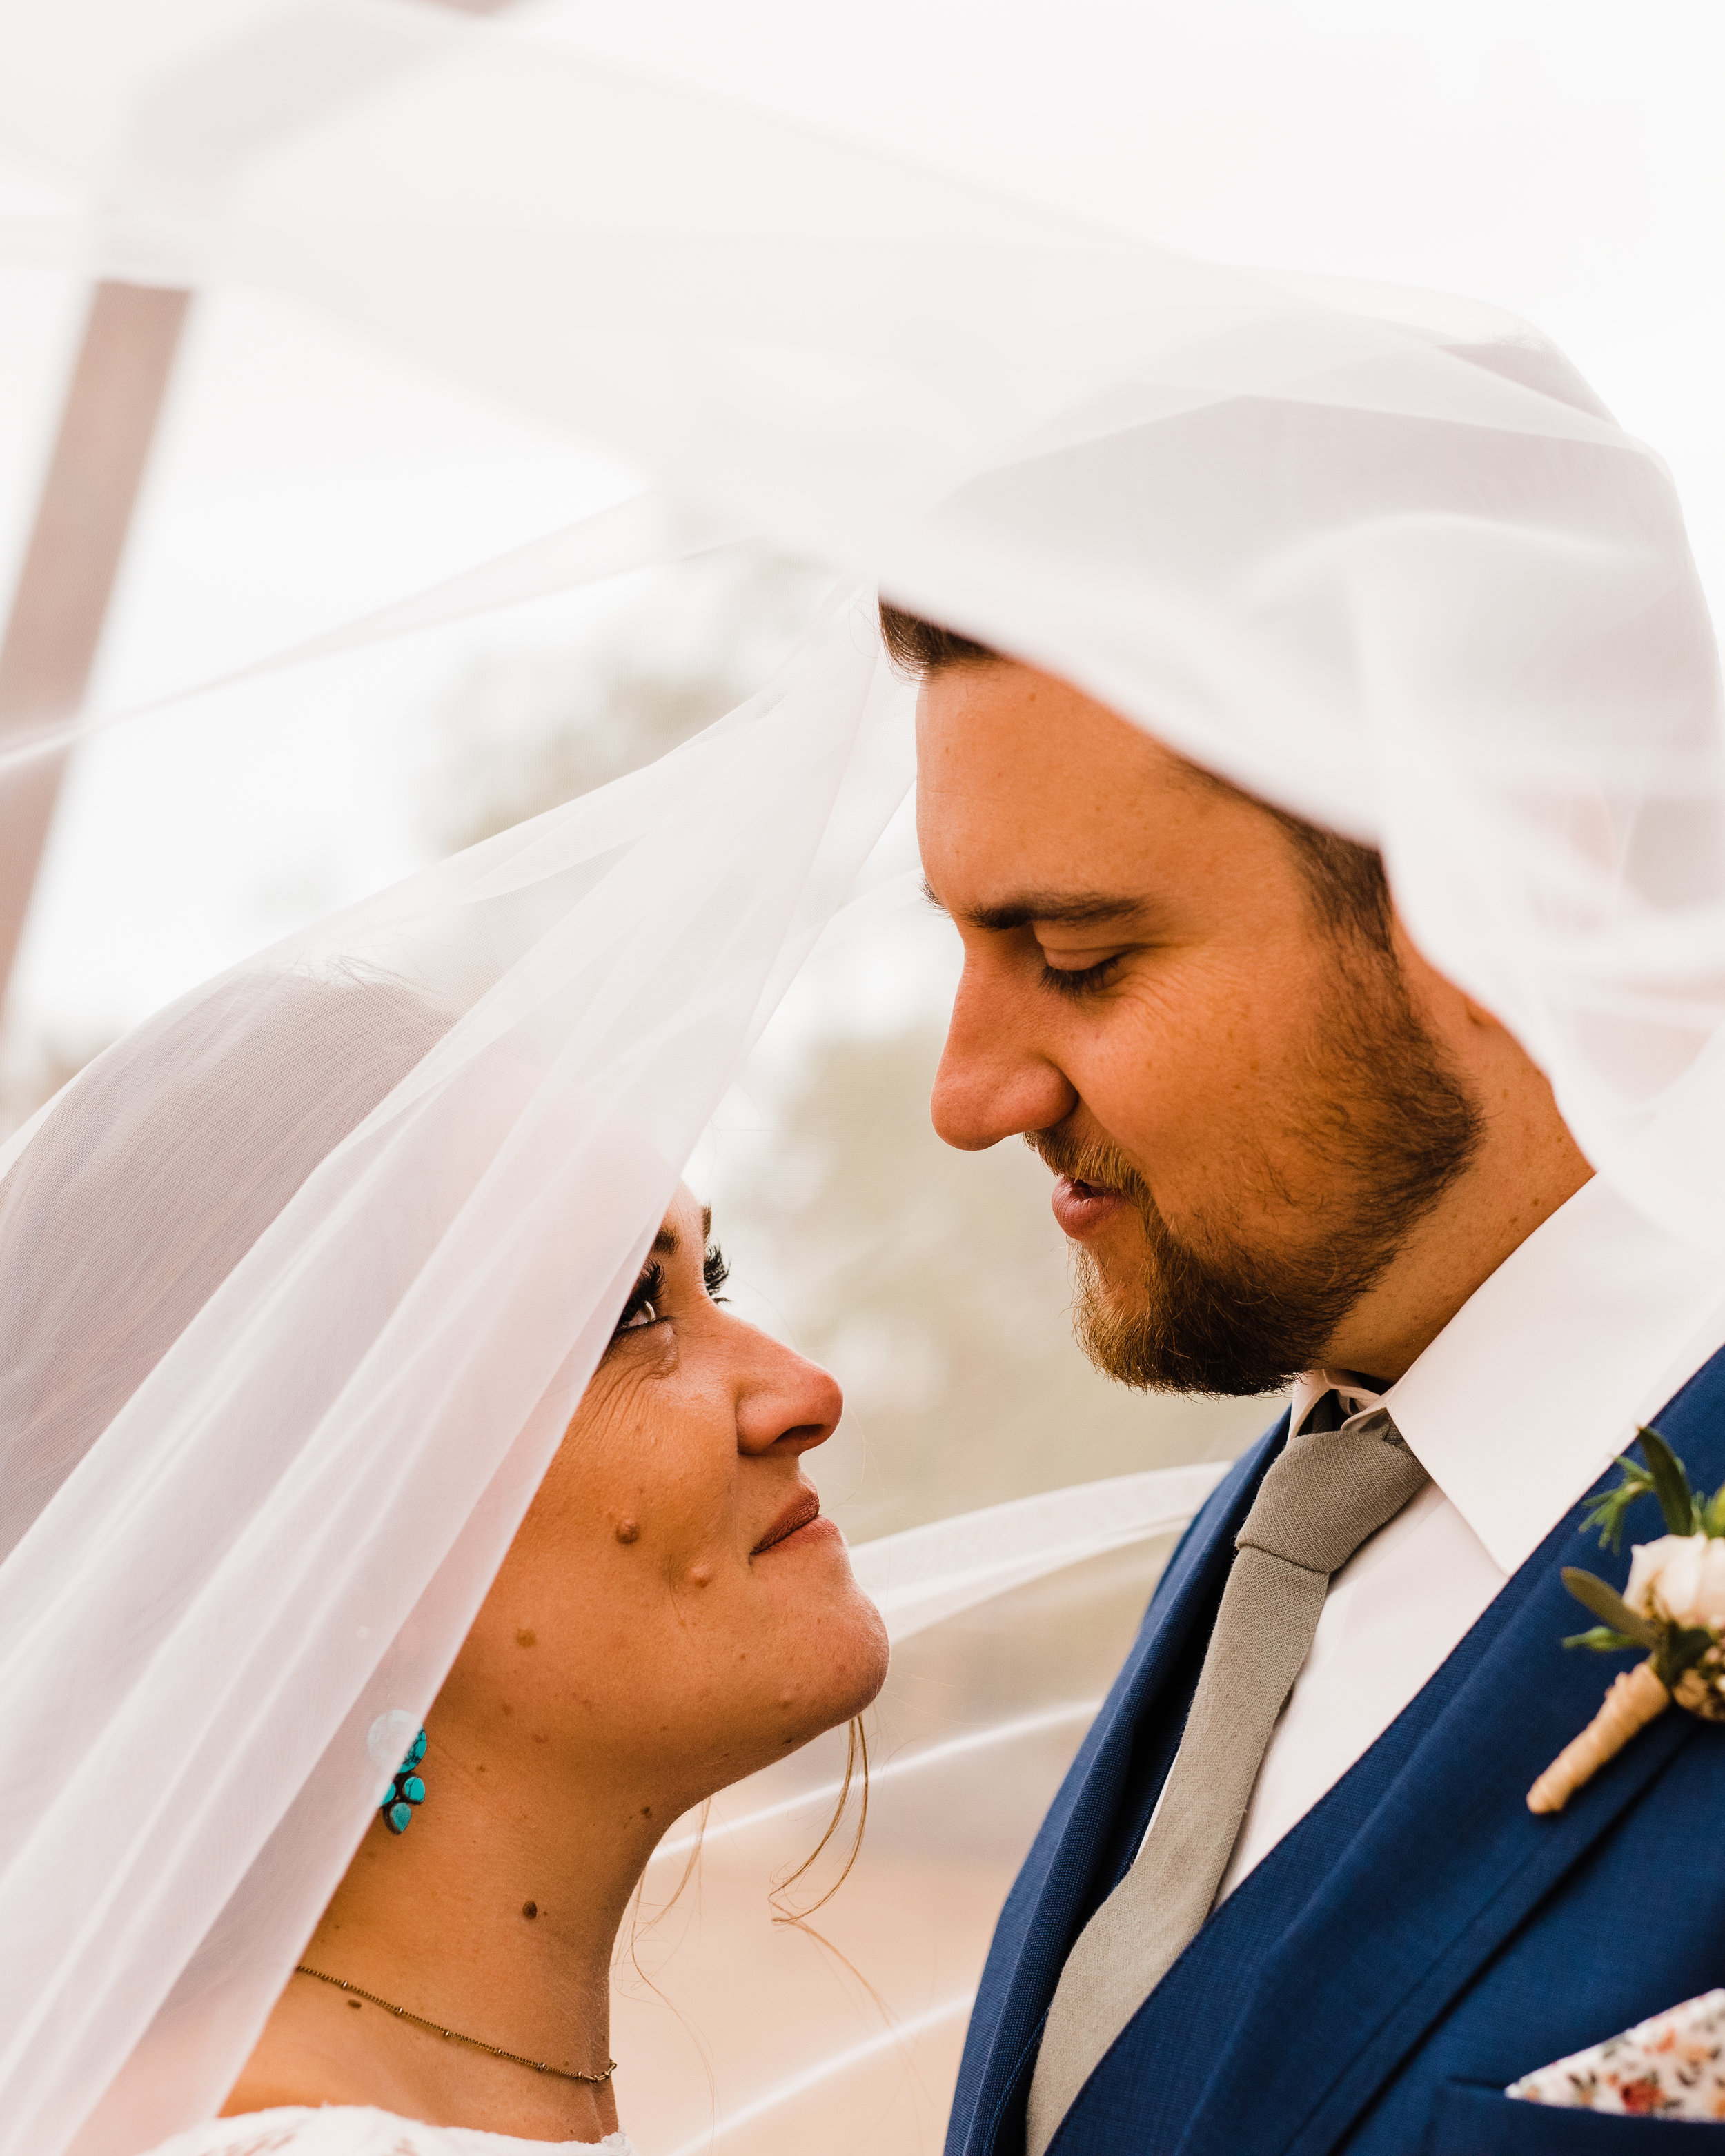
(1389, 1126)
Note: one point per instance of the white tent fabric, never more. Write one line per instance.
(1382, 557)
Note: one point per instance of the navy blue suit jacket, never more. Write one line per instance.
(1420, 1939)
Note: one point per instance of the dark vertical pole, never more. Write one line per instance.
(73, 555)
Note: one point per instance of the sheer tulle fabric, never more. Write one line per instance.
(1383, 559)
(489, 1080)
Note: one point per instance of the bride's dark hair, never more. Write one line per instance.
(153, 1176)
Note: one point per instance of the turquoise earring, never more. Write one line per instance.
(406, 1789)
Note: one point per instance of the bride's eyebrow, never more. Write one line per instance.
(665, 1243)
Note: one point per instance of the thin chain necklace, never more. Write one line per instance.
(454, 2035)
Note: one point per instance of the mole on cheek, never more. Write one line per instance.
(525, 1638)
(629, 1531)
(702, 1574)
(354, 2004)
(530, 1910)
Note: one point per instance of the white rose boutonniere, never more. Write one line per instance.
(1673, 1605)
(1680, 1579)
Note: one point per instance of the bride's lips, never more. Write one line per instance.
(801, 1517)
(1082, 1208)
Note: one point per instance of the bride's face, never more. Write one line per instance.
(675, 1611)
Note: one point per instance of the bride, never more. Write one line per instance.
(673, 1613)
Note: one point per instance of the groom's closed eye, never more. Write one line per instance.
(1079, 981)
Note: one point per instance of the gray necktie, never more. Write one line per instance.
(1328, 1492)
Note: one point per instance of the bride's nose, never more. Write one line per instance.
(785, 1401)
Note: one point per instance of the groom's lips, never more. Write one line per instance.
(1083, 1208)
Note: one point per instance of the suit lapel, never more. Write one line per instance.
(1436, 1874)
(1059, 1884)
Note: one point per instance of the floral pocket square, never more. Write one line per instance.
(1672, 2067)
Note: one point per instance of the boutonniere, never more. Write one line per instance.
(1673, 1605)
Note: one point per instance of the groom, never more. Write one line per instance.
(1290, 1897)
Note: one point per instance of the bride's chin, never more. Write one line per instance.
(870, 1655)
(849, 1666)
(830, 1640)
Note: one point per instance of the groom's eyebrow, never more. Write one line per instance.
(1058, 908)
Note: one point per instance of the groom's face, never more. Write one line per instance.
(1242, 1099)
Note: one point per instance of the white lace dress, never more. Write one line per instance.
(355, 2130)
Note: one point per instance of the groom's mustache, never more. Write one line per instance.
(1091, 1161)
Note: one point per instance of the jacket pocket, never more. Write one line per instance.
(1468, 2119)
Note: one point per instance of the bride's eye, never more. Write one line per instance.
(642, 1308)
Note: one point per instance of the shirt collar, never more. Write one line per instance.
(1309, 1387)
(1585, 1330)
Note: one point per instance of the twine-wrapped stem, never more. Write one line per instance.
(1635, 1699)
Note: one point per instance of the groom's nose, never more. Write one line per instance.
(994, 1081)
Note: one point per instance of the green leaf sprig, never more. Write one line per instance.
(1664, 1477)
(1673, 1648)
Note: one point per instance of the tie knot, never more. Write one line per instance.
(1330, 1490)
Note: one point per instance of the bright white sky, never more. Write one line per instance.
(1565, 161)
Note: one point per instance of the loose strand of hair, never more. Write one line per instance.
(856, 1769)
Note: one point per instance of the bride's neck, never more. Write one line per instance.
(494, 1915)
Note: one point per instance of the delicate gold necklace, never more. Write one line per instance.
(454, 2035)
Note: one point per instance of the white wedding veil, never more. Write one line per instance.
(359, 1216)
(302, 1282)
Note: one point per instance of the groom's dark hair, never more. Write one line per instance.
(1346, 880)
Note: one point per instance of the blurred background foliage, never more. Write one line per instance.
(525, 725)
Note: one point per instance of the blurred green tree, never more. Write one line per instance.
(529, 725)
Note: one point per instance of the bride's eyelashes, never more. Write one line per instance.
(642, 1308)
(645, 1307)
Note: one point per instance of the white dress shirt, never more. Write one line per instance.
(1514, 1410)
